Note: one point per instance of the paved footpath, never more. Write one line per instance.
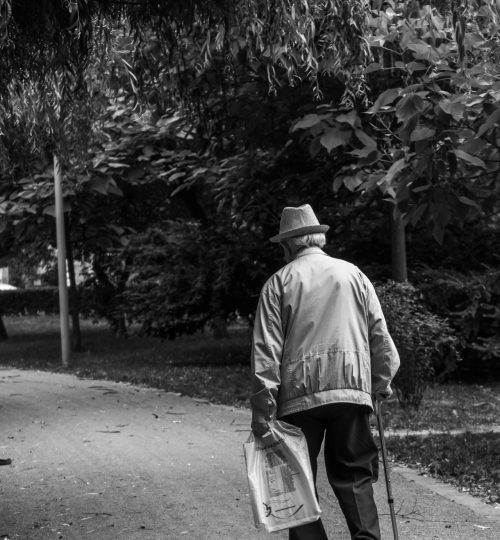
(103, 460)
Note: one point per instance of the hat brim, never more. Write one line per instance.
(310, 229)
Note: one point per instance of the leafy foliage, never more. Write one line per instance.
(428, 142)
(301, 39)
(29, 301)
(426, 342)
(181, 276)
(471, 304)
(418, 128)
(168, 290)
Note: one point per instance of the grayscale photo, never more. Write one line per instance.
(249, 269)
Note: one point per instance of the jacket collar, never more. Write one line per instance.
(309, 251)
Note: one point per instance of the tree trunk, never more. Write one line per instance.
(108, 293)
(398, 247)
(3, 331)
(220, 327)
(75, 303)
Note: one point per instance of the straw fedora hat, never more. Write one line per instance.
(297, 221)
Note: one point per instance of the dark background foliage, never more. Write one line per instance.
(185, 128)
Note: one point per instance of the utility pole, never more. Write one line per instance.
(61, 266)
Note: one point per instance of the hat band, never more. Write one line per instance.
(300, 231)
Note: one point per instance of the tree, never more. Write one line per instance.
(375, 129)
(429, 140)
(270, 40)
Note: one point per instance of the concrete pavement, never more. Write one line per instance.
(104, 460)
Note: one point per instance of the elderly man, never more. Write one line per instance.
(321, 352)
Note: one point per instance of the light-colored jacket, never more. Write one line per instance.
(319, 337)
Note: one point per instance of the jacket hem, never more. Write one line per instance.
(327, 397)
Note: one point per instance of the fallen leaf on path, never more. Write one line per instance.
(482, 404)
(234, 422)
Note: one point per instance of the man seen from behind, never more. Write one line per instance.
(321, 352)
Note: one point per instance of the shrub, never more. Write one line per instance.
(99, 294)
(178, 278)
(29, 301)
(34, 301)
(425, 341)
(167, 293)
(471, 303)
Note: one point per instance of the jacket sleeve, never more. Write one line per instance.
(267, 349)
(383, 352)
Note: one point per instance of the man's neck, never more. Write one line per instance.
(307, 251)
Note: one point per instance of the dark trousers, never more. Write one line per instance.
(350, 458)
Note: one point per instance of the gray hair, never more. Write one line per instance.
(306, 240)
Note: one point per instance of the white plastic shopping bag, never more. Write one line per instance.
(280, 478)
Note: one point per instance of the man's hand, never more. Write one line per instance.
(260, 428)
(383, 396)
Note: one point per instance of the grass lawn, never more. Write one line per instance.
(198, 366)
(219, 371)
(469, 461)
(448, 407)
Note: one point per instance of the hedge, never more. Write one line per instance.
(29, 301)
(471, 304)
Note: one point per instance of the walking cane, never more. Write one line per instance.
(390, 500)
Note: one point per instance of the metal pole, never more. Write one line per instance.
(390, 499)
(61, 266)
